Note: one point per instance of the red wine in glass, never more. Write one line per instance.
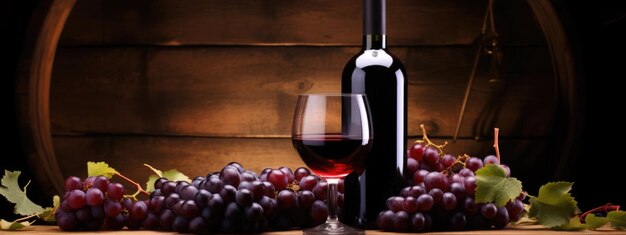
(333, 135)
(332, 155)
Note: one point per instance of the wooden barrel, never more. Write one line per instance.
(194, 85)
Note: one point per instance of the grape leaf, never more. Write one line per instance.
(10, 189)
(6, 225)
(48, 214)
(617, 218)
(593, 222)
(172, 174)
(554, 205)
(574, 224)
(492, 185)
(100, 168)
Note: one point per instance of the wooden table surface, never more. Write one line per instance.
(522, 229)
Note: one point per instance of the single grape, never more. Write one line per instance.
(385, 220)
(166, 219)
(76, 199)
(470, 207)
(138, 211)
(94, 197)
(156, 204)
(474, 163)
(431, 156)
(188, 192)
(300, 173)
(412, 166)
(419, 175)
(404, 192)
(233, 211)
(507, 169)
(488, 210)
(66, 221)
(321, 190)
(101, 183)
(158, 184)
(410, 204)
(308, 182)
(515, 208)
(73, 183)
(395, 203)
(197, 225)
(202, 198)
(244, 197)
(437, 194)
(214, 185)
(248, 176)
(287, 199)
(401, 221)
(115, 191)
(470, 185)
(458, 178)
(236, 165)
(458, 221)
(458, 189)
(416, 151)
(180, 185)
(491, 159)
(448, 201)
(278, 178)
(269, 205)
(112, 208)
(228, 193)
(288, 173)
(501, 219)
(436, 180)
(466, 172)
(306, 198)
(425, 202)
(216, 203)
(254, 212)
(168, 188)
(418, 222)
(447, 160)
(270, 190)
(230, 176)
(88, 183)
(416, 191)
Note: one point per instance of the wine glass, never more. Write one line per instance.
(333, 134)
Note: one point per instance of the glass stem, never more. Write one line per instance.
(332, 201)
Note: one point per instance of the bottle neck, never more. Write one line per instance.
(374, 24)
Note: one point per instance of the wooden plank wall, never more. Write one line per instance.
(196, 84)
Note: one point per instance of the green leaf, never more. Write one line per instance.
(100, 168)
(48, 214)
(574, 224)
(56, 201)
(10, 189)
(6, 225)
(593, 222)
(492, 185)
(554, 205)
(617, 218)
(172, 174)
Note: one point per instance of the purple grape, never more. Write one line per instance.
(278, 178)
(447, 160)
(418, 222)
(395, 203)
(385, 220)
(491, 159)
(73, 183)
(436, 180)
(448, 201)
(488, 210)
(306, 198)
(458, 221)
(76, 199)
(138, 211)
(470, 207)
(321, 190)
(401, 221)
(300, 173)
(470, 185)
(474, 163)
(410, 204)
(425, 202)
(112, 208)
(230, 176)
(94, 197)
(437, 194)
(319, 212)
(101, 183)
(115, 191)
(419, 176)
(244, 197)
(287, 199)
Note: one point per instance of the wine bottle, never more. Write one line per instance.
(374, 71)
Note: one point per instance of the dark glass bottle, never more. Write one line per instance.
(376, 72)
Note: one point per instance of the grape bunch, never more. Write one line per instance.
(95, 202)
(440, 195)
(236, 200)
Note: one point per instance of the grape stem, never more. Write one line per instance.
(26, 217)
(430, 143)
(495, 143)
(606, 208)
(137, 186)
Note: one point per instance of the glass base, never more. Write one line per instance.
(333, 228)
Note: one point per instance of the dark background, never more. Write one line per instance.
(596, 30)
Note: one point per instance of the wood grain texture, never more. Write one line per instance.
(509, 230)
(251, 91)
(280, 22)
(199, 156)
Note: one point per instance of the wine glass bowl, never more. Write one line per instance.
(332, 133)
